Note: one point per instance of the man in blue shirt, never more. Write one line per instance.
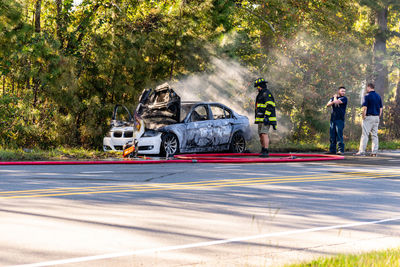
(371, 112)
(338, 103)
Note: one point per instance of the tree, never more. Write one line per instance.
(306, 49)
(65, 65)
(380, 10)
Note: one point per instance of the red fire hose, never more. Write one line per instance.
(254, 157)
(197, 158)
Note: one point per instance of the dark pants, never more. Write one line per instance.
(336, 134)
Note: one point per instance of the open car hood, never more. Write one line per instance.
(159, 107)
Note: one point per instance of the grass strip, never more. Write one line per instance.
(55, 154)
(390, 257)
(320, 147)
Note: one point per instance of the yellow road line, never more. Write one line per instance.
(206, 185)
(164, 185)
(200, 187)
(227, 181)
(183, 183)
(148, 185)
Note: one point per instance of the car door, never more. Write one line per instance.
(121, 116)
(121, 129)
(221, 124)
(199, 128)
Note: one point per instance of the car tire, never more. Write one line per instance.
(238, 143)
(169, 145)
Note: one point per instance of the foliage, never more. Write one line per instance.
(59, 82)
(86, 58)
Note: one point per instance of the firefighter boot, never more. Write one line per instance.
(264, 153)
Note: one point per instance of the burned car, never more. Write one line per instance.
(163, 124)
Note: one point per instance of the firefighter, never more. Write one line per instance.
(265, 114)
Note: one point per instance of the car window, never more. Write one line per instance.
(228, 113)
(199, 113)
(185, 109)
(220, 113)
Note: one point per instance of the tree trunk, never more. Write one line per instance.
(77, 132)
(380, 71)
(36, 81)
(36, 85)
(4, 85)
(18, 89)
(12, 85)
(59, 21)
(28, 84)
(171, 70)
(38, 7)
(178, 34)
(398, 94)
(394, 113)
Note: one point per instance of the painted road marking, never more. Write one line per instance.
(182, 183)
(198, 185)
(97, 172)
(147, 187)
(203, 244)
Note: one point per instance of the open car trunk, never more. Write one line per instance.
(159, 107)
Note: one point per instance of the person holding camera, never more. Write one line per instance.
(338, 103)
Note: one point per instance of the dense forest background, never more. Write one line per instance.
(64, 63)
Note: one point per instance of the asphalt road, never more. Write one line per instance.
(197, 214)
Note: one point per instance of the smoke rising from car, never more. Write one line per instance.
(228, 83)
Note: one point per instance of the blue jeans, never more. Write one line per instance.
(336, 135)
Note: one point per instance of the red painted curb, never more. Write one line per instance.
(196, 158)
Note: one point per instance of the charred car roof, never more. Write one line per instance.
(162, 106)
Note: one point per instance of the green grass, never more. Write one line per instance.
(55, 154)
(298, 147)
(390, 257)
(321, 146)
(286, 146)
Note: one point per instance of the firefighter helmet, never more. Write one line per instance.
(259, 82)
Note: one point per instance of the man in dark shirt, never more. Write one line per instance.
(371, 112)
(338, 103)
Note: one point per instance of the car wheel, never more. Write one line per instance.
(169, 145)
(238, 143)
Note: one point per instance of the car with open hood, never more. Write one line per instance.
(163, 124)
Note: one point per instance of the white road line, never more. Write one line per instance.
(95, 172)
(202, 244)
